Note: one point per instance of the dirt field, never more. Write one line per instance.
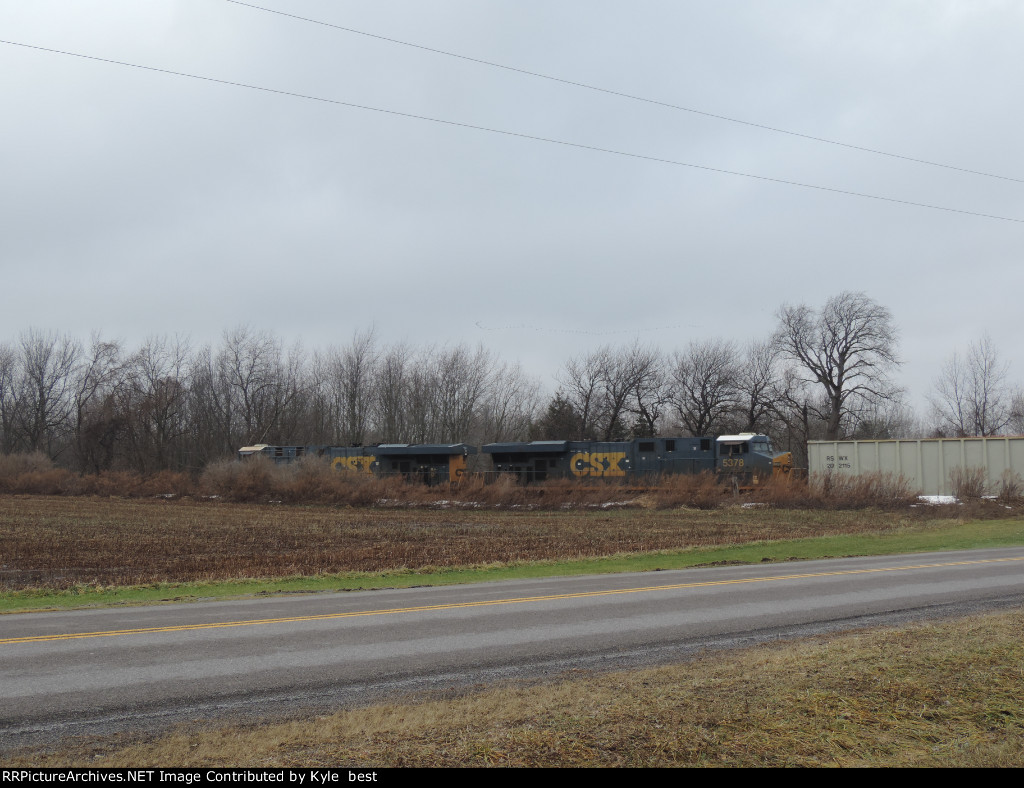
(60, 542)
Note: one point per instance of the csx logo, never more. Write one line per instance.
(361, 464)
(599, 463)
(456, 468)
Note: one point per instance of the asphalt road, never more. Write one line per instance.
(100, 671)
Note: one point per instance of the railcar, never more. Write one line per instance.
(429, 463)
(747, 458)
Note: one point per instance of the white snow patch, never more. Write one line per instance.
(937, 499)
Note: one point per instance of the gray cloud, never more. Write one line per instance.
(142, 203)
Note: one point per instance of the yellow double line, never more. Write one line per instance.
(485, 603)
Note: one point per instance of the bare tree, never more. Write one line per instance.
(605, 386)
(889, 420)
(755, 384)
(462, 377)
(652, 394)
(249, 388)
(509, 406)
(44, 399)
(9, 377)
(1016, 423)
(972, 395)
(582, 385)
(559, 421)
(847, 350)
(347, 382)
(98, 419)
(420, 403)
(155, 402)
(706, 377)
(390, 394)
(791, 397)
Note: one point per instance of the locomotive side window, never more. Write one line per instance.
(705, 444)
(647, 446)
(670, 445)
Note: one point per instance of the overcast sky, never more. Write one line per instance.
(139, 203)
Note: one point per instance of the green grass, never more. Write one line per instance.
(954, 536)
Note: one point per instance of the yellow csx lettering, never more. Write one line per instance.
(599, 463)
(361, 464)
(456, 468)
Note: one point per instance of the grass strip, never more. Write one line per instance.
(951, 536)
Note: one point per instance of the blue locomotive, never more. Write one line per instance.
(429, 463)
(747, 458)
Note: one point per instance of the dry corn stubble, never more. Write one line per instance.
(60, 542)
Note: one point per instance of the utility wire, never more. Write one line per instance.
(520, 135)
(631, 96)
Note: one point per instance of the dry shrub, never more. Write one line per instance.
(12, 465)
(562, 493)
(115, 484)
(310, 480)
(54, 481)
(35, 474)
(357, 489)
(256, 479)
(1010, 487)
(168, 483)
(32, 473)
(697, 491)
(507, 491)
(967, 484)
(786, 492)
(477, 489)
(838, 491)
(866, 490)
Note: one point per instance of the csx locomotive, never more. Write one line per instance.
(747, 458)
(429, 463)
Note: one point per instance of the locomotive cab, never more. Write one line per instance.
(750, 458)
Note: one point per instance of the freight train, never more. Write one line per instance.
(428, 463)
(746, 459)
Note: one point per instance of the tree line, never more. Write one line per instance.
(824, 373)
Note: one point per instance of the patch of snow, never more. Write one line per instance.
(937, 499)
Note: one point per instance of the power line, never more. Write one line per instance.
(630, 96)
(520, 135)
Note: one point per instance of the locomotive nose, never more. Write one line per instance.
(782, 463)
